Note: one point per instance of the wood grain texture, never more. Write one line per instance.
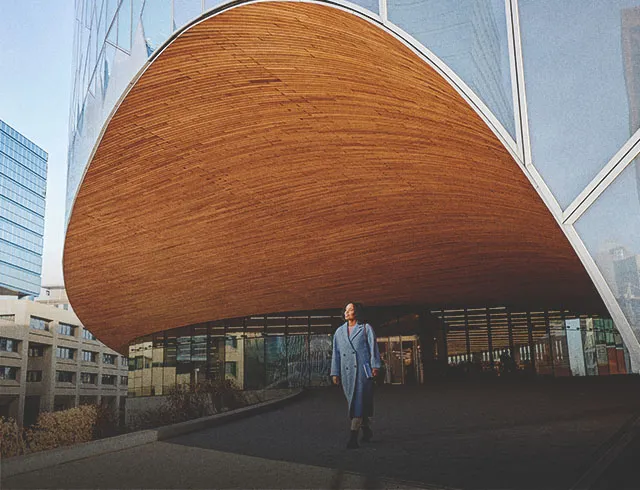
(291, 156)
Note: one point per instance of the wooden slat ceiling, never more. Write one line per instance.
(290, 156)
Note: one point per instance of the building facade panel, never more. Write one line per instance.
(45, 369)
(471, 37)
(581, 67)
(23, 172)
(610, 229)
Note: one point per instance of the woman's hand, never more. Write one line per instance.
(374, 372)
(336, 380)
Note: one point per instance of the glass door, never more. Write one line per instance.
(395, 361)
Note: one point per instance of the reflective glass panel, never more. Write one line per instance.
(372, 5)
(559, 344)
(112, 6)
(320, 350)
(582, 75)
(209, 4)
(157, 363)
(602, 352)
(410, 355)
(610, 229)
(156, 21)
(124, 25)
(589, 342)
(541, 347)
(478, 340)
(520, 335)
(470, 36)
(395, 366)
(254, 362)
(184, 11)
(276, 362)
(112, 35)
(170, 361)
(500, 340)
(136, 10)
(456, 339)
(199, 347)
(102, 26)
(216, 349)
(576, 347)
(383, 347)
(298, 363)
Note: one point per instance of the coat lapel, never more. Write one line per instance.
(345, 329)
(357, 331)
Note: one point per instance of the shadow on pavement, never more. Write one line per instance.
(538, 434)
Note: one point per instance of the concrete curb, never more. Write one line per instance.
(36, 461)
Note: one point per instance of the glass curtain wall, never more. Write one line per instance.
(288, 351)
(498, 341)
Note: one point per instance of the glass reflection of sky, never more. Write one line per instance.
(577, 93)
(610, 229)
(470, 36)
(614, 219)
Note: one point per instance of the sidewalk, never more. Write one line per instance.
(527, 435)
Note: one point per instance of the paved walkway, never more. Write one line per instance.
(531, 435)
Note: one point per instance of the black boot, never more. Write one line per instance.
(353, 440)
(367, 433)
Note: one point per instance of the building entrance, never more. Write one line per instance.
(401, 359)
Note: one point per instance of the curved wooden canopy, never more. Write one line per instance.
(290, 156)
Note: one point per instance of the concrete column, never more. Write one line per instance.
(18, 410)
(48, 379)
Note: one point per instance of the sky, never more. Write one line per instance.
(36, 38)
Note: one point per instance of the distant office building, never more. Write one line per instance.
(49, 361)
(23, 187)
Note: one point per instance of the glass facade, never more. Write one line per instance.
(294, 350)
(23, 187)
(471, 37)
(557, 81)
(582, 74)
(616, 246)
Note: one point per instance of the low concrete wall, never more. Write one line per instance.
(141, 404)
(44, 459)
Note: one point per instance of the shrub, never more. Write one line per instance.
(151, 418)
(207, 397)
(64, 428)
(12, 441)
(107, 423)
(190, 401)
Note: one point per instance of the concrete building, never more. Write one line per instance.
(49, 361)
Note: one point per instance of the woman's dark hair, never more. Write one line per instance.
(358, 310)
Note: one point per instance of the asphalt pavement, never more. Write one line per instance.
(540, 434)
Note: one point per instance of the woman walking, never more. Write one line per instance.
(354, 364)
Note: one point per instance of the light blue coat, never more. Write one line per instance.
(350, 355)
